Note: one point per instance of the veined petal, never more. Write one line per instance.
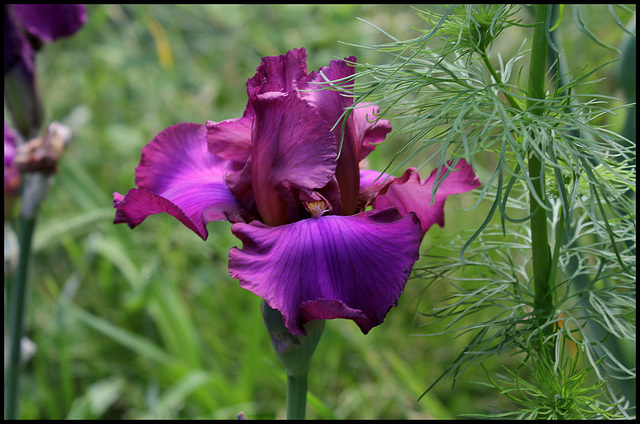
(409, 194)
(292, 147)
(139, 203)
(49, 22)
(179, 176)
(352, 267)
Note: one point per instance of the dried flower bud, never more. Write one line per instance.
(42, 154)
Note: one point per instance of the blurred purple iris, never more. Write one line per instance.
(38, 22)
(295, 193)
(26, 27)
(11, 173)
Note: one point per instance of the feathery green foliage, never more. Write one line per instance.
(559, 177)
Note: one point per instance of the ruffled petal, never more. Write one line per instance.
(292, 148)
(49, 22)
(139, 203)
(409, 194)
(316, 90)
(179, 176)
(279, 73)
(367, 129)
(352, 267)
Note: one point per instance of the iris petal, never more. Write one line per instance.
(279, 73)
(358, 137)
(17, 48)
(51, 21)
(352, 267)
(409, 194)
(179, 176)
(292, 149)
(231, 139)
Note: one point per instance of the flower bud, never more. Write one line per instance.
(295, 352)
(38, 161)
(42, 154)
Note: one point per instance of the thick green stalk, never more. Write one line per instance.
(296, 397)
(295, 353)
(539, 230)
(16, 318)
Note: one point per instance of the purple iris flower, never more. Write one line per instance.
(322, 239)
(26, 27)
(45, 22)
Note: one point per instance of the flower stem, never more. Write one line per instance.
(541, 256)
(16, 318)
(512, 101)
(295, 353)
(296, 397)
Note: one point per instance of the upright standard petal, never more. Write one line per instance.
(279, 73)
(409, 194)
(179, 176)
(357, 137)
(49, 22)
(352, 267)
(293, 149)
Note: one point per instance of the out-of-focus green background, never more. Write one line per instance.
(148, 323)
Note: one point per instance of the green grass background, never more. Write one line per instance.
(148, 323)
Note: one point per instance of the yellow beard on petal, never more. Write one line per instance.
(316, 208)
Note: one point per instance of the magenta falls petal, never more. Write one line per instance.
(179, 176)
(352, 267)
(139, 203)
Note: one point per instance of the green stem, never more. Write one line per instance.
(16, 318)
(538, 64)
(295, 353)
(512, 101)
(556, 248)
(539, 230)
(296, 397)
